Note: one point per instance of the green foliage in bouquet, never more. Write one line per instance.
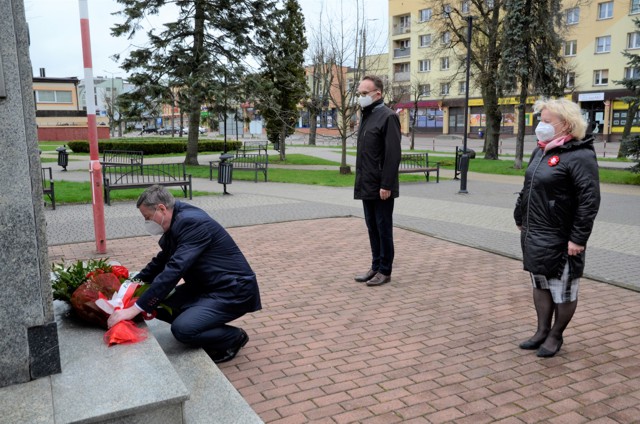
(69, 278)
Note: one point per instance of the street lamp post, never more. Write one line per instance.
(464, 159)
(112, 99)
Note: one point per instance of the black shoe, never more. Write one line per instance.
(379, 280)
(229, 354)
(544, 353)
(531, 344)
(365, 277)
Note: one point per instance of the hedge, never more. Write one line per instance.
(151, 147)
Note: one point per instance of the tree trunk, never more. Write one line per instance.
(195, 101)
(492, 130)
(313, 130)
(413, 127)
(344, 168)
(631, 114)
(524, 83)
(283, 137)
(192, 138)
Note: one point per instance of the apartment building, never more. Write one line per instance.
(424, 69)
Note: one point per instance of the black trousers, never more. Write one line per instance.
(378, 215)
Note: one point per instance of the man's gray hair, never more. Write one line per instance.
(155, 195)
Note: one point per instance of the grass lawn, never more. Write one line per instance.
(76, 192)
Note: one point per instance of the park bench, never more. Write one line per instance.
(255, 162)
(122, 157)
(251, 147)
(119, 177)
(418, 162)
(48, 186)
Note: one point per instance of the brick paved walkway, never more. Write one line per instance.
(438, 344)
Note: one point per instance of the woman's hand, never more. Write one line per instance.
(122, 315)
(575, 249)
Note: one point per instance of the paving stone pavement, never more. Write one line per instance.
(437, 344)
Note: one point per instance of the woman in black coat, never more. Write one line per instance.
(555, 212)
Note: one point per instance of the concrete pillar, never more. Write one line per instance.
(29, 342)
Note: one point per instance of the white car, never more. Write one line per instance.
(202, 130)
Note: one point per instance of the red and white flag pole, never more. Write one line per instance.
(95, 169)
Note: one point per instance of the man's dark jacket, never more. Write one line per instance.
(379, 152)
(558, 203)
(199, 250)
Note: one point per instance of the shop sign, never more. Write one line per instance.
(591, 97)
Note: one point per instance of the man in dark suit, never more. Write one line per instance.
(377, 185)
(219, 285)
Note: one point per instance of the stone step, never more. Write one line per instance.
(133, 383)
(213, 399)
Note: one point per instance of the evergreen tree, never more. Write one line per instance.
(631, 142)
(206, 39)
(282, 79)
(531, 57)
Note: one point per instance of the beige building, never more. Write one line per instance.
(425, 70)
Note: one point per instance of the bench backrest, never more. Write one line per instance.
(252, 146)
(47, 178)
(414, 160)
(122, 157)
(139, 174)
(251, 158)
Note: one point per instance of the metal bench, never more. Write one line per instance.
(252, 147)
(246, 162)
(418, 162)
(119, 177)
(122, 157)
(48, 186)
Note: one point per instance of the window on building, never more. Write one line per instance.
(444, 63)
(405, 21)
(404, 44)
(446, 10)
(633, 40)
(635, 6)
(425, 90)
(632, 73)
(605, 10)
(425, 15)
(446, 37)
(570, 47)
(54, 96)
(465, 6)
(425, 40)
(572, 16)
(490, 4)
(444, 88)
(425, 65)
(402, 67)
(462, 87)
(601, 77)
(571, 80)
(603, 44)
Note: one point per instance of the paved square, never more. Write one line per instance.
(437, 344)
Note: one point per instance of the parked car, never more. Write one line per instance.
(203, 130)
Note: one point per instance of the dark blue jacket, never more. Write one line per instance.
(199, 250)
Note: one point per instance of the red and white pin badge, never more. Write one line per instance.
(553, 160)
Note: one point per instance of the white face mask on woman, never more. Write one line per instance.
(545, 131)
(153, 227)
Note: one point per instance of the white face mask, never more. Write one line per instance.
(545, 132)
(365, 101)
(153, 227)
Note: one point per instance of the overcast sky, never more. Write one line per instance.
(54, 27)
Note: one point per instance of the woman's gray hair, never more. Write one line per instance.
(566, 110)
(155, 195)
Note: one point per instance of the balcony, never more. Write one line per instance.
(401, 29)
(401, 76)
(401, 52)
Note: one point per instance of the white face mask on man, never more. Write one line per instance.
(365, 101)
(545, 131)
(153, 227)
